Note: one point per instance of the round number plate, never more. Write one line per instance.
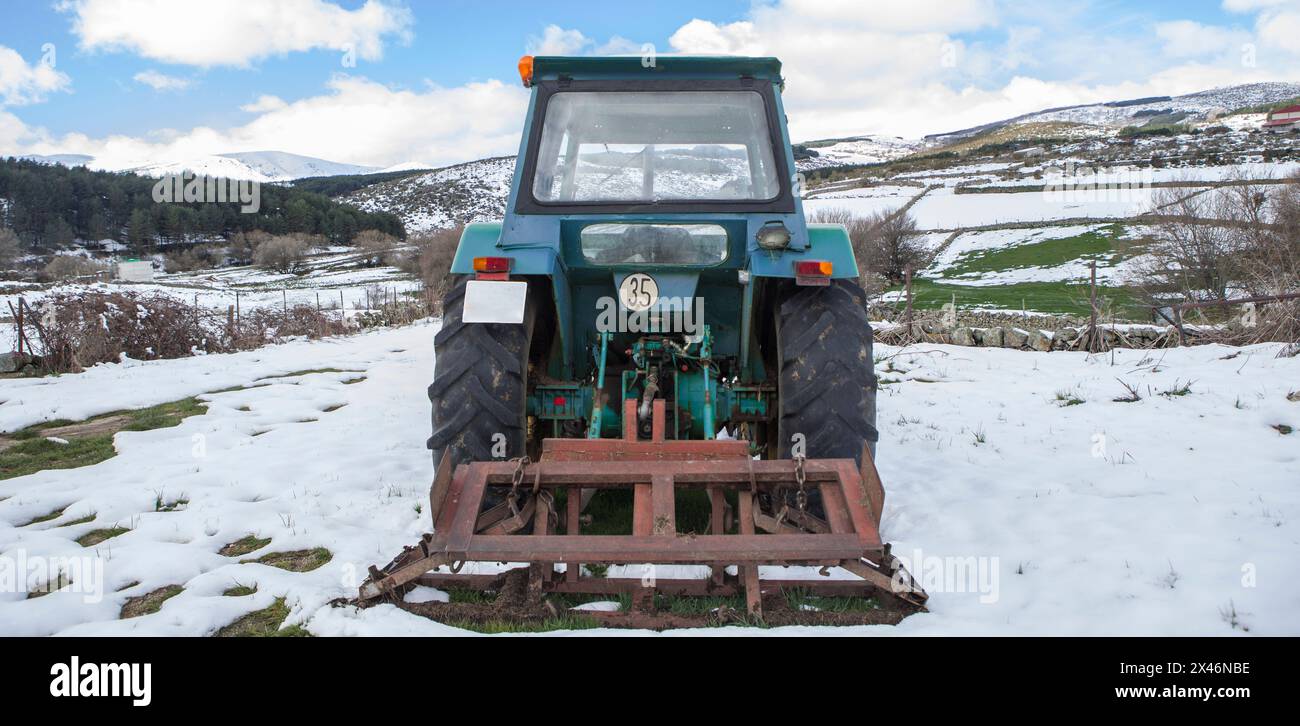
(639, 292)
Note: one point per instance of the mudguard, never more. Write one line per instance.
(826, 242)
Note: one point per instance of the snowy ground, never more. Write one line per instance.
(1161, 517)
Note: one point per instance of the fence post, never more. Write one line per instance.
(1094, 343)
(907, 273)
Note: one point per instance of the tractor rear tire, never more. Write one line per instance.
(479, 390)
(827, 390)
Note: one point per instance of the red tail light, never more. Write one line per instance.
(813, 268)
(493, 264)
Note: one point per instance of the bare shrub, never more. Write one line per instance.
(377, 247)
(285, 254)
(1235, 241)
(72, 331)
(243, 246)
(430, 260)
(885, 244)
(199, 257)
(71, 267)
(261, 326)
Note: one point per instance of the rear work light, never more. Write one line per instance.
(493, 267)
(813, 272)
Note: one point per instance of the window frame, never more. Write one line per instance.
(527, 202)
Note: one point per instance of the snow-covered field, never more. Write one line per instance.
(942, 209)
(1165, 516)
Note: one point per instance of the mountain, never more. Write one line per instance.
(259, 166)
(60, 159)
(1201, 106)
(442, 198)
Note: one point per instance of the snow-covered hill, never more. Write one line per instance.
(260, 166)
(443, 198)
(856, 151)
(1199, 106)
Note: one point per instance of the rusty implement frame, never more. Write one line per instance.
(656, 471)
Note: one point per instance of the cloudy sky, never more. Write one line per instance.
(383, 82)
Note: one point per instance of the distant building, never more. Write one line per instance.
(135, 271)
(1284, 120)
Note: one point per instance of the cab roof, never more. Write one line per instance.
(665, 66)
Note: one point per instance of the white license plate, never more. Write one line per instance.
(495, 302)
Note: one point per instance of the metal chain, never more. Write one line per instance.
(800, 478)
(516, 478)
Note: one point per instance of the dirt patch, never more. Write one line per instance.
(264, 624)
(73, 444)
(149, 603)
(93, 427)
(298, 560)
(244, 546)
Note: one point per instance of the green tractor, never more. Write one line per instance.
(654, 300)
(654, 245)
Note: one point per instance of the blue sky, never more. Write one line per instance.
(433, 80)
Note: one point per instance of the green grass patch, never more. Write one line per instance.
(84, 520)
(1069, 398)
(298, 560)
(1284, 429)
(149, 603)
(240, 591)
(90, 539)
(1100, 246)
(46, 517)
(312, 371)
(1044, 297)
(37, 453)
(497, 627)
(264, 624)
(244, 546)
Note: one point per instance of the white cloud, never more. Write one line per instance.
(205, 33)
(161, 81)
(559, 41)
(263, 104)
(906, 67)
(21, 83)
(357, 121)
(1190, 39)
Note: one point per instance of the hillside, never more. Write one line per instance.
(1201, 106)
(443, 198)
(50, 206)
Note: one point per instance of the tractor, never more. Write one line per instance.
(654, 362)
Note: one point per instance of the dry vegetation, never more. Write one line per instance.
(886, 244)
(72, 331)
(1228, 243)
